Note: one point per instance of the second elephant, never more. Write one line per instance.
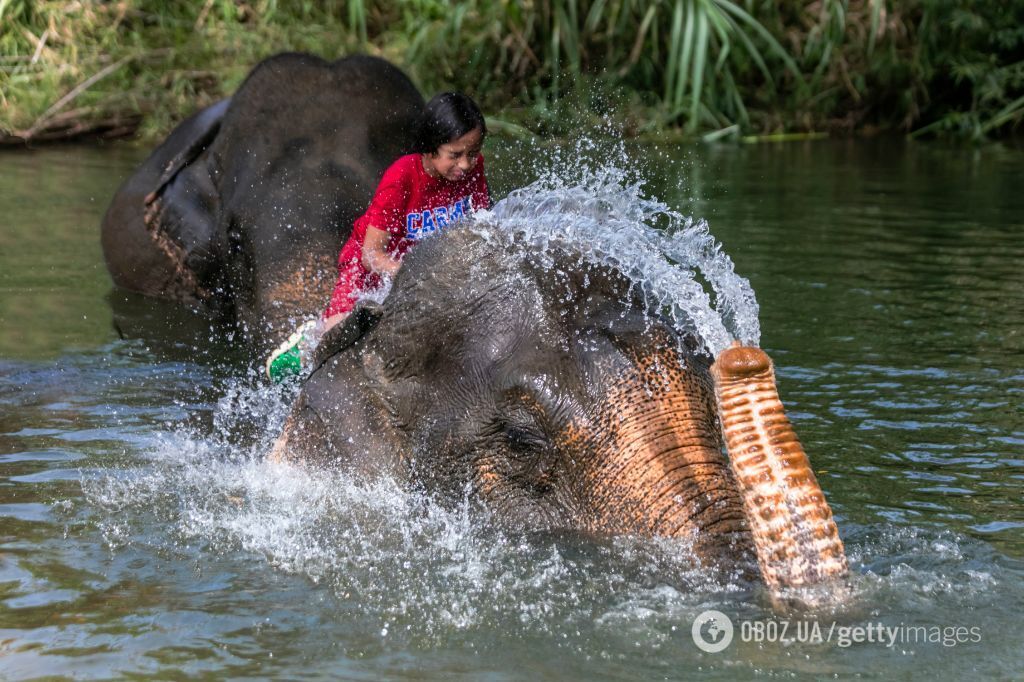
(243, 209)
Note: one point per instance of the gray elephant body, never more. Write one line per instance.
(547, 389)
(245, 206)
(534, 385)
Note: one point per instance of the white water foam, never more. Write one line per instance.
(603, 214)
(409, 568)
(407, 564)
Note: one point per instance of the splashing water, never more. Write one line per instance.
(403, 564)
(185, 581)
(410, 566)
(384, 569)
(402, 570)
(604, 216)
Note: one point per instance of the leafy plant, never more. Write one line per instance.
(723, 68)
(971, 58)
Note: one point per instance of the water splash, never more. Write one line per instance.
(381, 568)
(399, 560)
(402, 563)
(403, 569)
(600, 211)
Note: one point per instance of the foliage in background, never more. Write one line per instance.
(927, 66)
(971, 55)
(86, 66)
(717, 67)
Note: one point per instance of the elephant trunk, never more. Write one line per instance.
(286, 293)
(795, 538)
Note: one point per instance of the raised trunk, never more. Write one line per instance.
(795, 537)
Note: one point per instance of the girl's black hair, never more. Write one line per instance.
(448, 116)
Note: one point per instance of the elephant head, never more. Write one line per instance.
(244, 208)
(552, 391)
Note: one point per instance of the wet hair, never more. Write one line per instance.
(448, 116)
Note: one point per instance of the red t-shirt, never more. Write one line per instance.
(409, 204)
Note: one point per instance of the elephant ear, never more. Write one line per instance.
(180, 212)
(343, 336)
(197, 137)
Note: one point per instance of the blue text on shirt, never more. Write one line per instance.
(419, 224)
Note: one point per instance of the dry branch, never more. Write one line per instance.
(41, 122)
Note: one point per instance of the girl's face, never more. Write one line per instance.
(454, 160)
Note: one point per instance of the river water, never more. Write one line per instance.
(142, 535)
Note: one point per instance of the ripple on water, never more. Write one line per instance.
(39, 599)
(41, 456)
(47, 476)
(31, 511)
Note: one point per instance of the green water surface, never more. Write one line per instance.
(142, 536)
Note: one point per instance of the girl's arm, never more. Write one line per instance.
(375, 255)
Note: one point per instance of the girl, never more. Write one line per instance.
(419, 194)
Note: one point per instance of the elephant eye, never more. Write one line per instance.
(519, 431)
(520, 423)
(523, 438)
(524, 451)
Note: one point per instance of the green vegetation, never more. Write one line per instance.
(717, 68)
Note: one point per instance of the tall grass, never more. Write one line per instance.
(688, 57)
(751, 66)
(69, 67)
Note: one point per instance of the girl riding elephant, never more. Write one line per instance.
(419, 194)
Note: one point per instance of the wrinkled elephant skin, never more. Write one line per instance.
(551, 392)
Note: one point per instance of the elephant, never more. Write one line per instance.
(549, 390)
(242, 210)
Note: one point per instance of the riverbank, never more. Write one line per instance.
(679, 68)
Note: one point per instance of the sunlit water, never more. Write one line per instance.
(143, 534)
